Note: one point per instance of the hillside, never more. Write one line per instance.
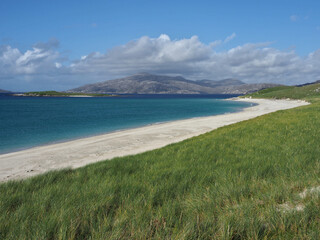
(144, 83)
(257, 179)
(4, 91)
(310, 92)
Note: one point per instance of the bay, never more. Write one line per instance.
(33, 121)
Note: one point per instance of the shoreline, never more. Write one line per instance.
(116, 131)
(83, 151)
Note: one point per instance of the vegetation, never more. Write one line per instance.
(238, 182)
(309, 92)
(63, 94)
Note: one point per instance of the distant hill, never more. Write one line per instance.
(4, 91)
(310, 92)
(221, 83)
(145, 83)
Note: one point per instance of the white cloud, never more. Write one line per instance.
(145, 54)
(164, 37)
(40, 59)
(195, 60)
(229, 38)
(189, 57)
(215, 43)
(58, 65)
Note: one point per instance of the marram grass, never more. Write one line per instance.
(226, 184)
(310, 92)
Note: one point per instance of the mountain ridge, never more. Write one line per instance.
(145, 83)
(4, 91)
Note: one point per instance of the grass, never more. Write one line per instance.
(63, 94)
(309, 92)
(226, 184)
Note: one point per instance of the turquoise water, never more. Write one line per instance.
(27, 121)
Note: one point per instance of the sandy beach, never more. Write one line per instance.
(78, 153)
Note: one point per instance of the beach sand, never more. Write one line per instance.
(78, 153)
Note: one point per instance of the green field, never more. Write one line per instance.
(238, 182)
(309, 92)
(62, 94)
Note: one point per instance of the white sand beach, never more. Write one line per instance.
(77, 153)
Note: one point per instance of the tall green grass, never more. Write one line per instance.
(226, 184)
(308, 92)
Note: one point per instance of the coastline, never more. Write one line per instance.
(89, 135)
(80, 152)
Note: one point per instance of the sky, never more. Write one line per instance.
(58, 45)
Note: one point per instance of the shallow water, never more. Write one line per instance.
(32, 121)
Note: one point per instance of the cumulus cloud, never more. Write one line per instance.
(36, 68)
(188, 57)
(194, 59)
(42, 58)
(161, 55)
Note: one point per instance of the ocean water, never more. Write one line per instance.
(29, 121)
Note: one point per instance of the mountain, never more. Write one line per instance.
(221, 83)
(145, 83)
(4, 91)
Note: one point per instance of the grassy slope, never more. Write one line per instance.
(310, 92)
(226, 184)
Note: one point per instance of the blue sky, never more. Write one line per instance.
(97, 31)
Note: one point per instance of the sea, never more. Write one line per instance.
(27, 122)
